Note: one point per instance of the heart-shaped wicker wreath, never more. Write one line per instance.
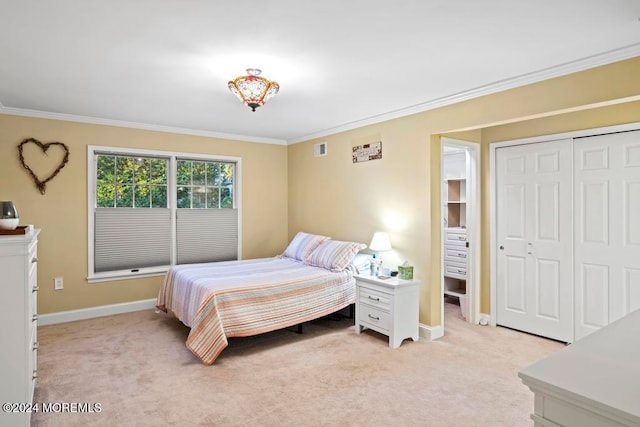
(42, 185)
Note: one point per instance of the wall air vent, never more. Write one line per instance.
(320, 149)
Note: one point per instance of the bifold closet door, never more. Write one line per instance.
(607, 229)
(535, 238)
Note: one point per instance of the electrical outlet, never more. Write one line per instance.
(58, 284)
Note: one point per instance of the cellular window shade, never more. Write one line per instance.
(127, 239)
(207, 235)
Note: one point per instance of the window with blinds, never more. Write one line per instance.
(207, 223)
(150, 210)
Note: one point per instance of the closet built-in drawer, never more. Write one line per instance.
(376, 318)
(455, 236)
(456, 270)
(455, 253)
(375, 298)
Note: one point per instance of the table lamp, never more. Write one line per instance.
(380, 243)
(9, 218)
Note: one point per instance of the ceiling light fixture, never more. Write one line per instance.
(253, 90)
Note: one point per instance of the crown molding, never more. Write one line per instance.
(593, 61)
(135, 125)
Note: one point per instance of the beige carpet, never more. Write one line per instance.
(138, 369)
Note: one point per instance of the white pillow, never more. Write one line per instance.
(302, 245)
(334, 255)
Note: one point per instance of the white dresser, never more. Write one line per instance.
(594, 382)
(388, 306)
(18, 334)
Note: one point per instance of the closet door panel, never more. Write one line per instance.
(595, 213)
(631, 232)
(534, 279)
(632, 288)
(548, 289)
(516, 286)
(607, 245)
(594, 280)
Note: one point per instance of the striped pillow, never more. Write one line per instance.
(334, 255)
(302, 245)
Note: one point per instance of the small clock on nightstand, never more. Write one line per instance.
(388, 306)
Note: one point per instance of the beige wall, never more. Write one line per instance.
(62, 212)
(401, 192)
(286, 189)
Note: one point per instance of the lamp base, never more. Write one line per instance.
(9, 223)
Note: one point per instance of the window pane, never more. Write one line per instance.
(199, 198)
(105, 168)
(184, 197)
(142, 196)
(105, 195)
(124, 196)
(213, 173)
(159, 196)
(226, 198)
(213, 196)
(198, 173)
(124, 170)
(158, 168)
(226, 174)
(183, 172)
(141, 169)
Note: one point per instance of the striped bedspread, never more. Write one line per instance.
(242, 298)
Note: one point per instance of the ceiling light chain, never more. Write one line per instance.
(253, 90)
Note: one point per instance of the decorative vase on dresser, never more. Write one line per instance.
(18, 334)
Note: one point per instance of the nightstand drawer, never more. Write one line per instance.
(375, 298)
(373, 317)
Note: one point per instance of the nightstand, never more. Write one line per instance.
(387, 306)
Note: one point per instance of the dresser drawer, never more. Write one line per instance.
(33, 359)
(375, 298)
(371, 316)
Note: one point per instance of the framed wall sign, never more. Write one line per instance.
(366, 152)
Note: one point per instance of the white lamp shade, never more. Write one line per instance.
(380, 242)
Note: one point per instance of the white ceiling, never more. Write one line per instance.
(340, 64)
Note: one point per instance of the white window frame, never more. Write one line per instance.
(172, 156)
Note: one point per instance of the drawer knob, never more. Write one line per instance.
(372, 298)
(35, 288)
(34, 318)
(373, 317)
(462, 255)
(36, 345)
(34, 259)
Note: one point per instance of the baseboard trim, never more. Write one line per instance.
(431, 333)
(90, 313)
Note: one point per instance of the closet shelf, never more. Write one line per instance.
(455, 293)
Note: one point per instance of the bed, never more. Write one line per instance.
(311, 279)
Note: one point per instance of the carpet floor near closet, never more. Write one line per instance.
(137, 368)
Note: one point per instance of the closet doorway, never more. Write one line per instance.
(460, 226)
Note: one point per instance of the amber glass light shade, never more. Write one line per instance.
(254, 91)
